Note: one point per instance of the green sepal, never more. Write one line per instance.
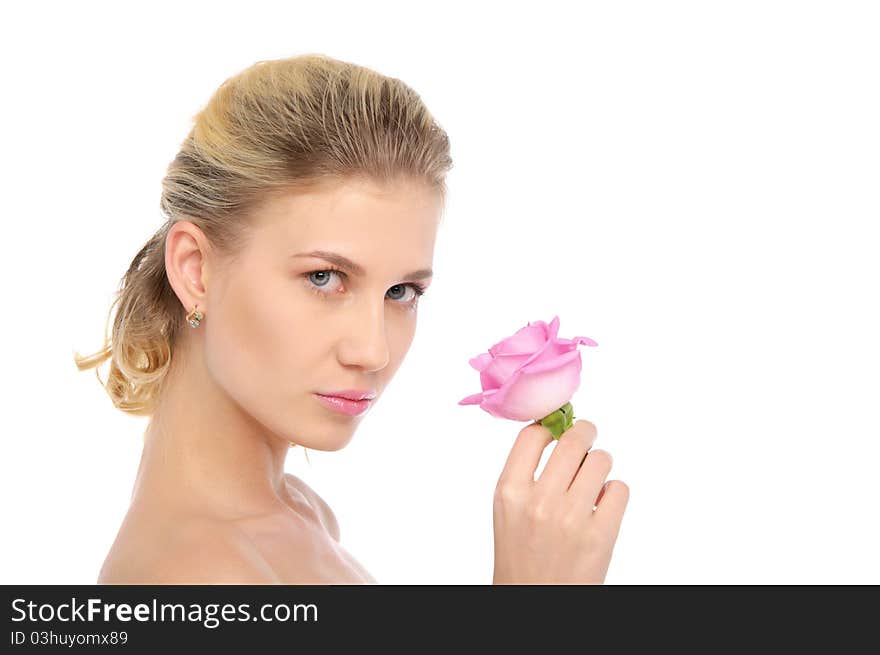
(559, 421)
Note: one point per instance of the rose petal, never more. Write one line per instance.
(541, 352)
(481, 361)
(554, 363)
(500, 369)
(526, 340)
(532, 394)
(530, 374)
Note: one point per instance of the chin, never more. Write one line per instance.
(339, 445)
(328, 438)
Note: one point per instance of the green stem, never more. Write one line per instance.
(559, 421)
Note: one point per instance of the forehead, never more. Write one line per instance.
(353, 204)
(377, 225)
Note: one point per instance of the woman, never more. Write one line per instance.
(302, 212)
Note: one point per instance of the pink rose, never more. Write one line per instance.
(529, 375)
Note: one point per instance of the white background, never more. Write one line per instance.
(694, 185)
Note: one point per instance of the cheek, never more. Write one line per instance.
(251, 341)
(400, 341)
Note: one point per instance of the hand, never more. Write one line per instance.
(546, 531)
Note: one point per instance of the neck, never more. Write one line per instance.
(202, 451)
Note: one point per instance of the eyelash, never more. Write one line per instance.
(417, 288)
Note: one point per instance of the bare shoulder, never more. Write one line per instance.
(328, 518)
(210, 552)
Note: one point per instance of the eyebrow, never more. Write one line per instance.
(357, 269)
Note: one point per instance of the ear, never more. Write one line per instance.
(186, 249)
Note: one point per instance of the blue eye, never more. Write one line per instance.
(324, 274)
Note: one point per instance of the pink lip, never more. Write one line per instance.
(344, 405)
(352, 394)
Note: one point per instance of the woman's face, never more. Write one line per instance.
(281, 326)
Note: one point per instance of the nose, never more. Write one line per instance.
(365, 341)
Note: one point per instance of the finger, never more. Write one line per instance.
(591, 476)
(525, 455)
(609, 512)
(567, 456)
(599, 497)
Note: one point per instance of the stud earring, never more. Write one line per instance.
(195, 317)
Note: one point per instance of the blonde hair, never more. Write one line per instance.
(278, 125)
